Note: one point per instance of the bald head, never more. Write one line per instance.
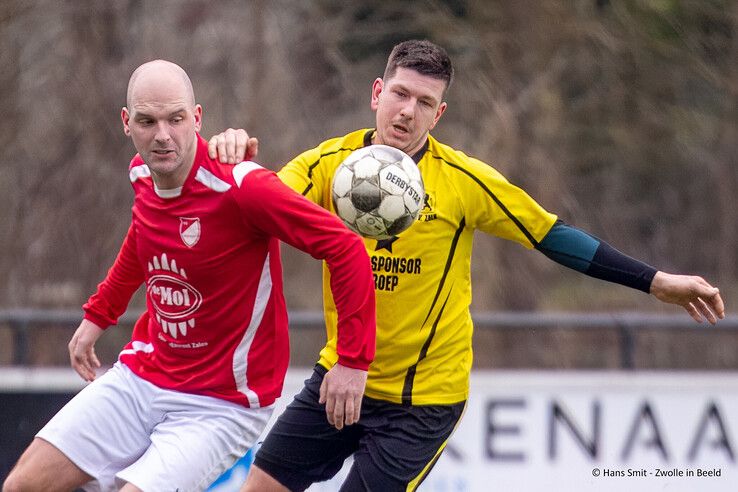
(163, 119)
(159, 76)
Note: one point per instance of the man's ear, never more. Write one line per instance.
(441, 109)
(125, 117)
(377, 87)
(198, 117)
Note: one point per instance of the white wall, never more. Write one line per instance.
(534, 431)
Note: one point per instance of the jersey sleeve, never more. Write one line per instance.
(280, 212)
(300, 175)
(114, 293)
(494, 205)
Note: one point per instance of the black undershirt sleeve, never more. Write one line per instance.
(585, 253)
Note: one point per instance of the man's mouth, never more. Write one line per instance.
(162, 152)
(400, 128)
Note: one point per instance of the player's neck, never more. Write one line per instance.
(375, 139)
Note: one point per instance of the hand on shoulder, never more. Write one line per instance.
(233, 146)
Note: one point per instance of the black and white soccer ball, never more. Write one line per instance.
(378, 191)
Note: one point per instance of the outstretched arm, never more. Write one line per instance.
(273, 208)
(580, 251)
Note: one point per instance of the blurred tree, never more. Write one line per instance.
(619, 116)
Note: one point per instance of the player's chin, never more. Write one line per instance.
(162, 165)
(400, 140)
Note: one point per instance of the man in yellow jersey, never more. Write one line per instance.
(418, 383)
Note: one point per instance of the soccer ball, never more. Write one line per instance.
(378, 191)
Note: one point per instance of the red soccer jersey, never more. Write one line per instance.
(208, 253)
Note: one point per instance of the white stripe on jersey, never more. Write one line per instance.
(137, 172)
(242, 169)
(138, 346)
(211, 181)
(241, 354)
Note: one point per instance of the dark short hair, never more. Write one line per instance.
(422, 56)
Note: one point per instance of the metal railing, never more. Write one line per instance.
(21, 322)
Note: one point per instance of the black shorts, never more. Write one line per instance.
(394, 445)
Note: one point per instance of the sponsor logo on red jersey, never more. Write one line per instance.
(174, 299)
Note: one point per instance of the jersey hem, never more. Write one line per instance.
(265, 399)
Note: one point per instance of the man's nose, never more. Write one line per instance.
(408, 109)
(162, 132)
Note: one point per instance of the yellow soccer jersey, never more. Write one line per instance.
(423, 277)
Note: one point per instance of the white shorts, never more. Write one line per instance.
(121, 428)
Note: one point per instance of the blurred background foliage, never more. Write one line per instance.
(619, 116)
